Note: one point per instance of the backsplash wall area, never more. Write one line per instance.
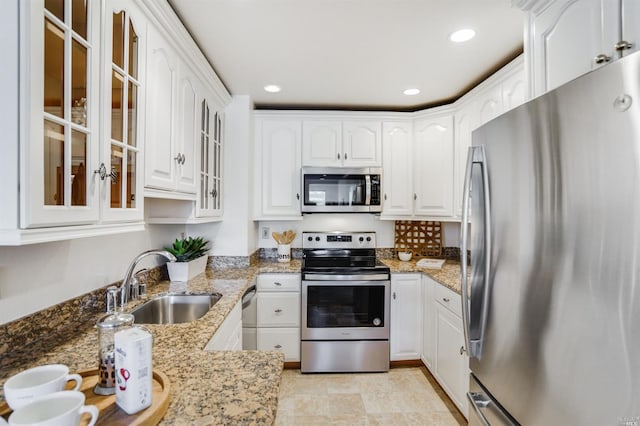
(384, 229)
(37, 276)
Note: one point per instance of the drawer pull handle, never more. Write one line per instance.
(446, 299)
(278, 346)
(277, 283)
(277, 311)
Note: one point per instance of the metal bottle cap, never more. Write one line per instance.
(115, 320)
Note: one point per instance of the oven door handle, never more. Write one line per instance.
(341, 277)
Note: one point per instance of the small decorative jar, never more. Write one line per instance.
(284, 253)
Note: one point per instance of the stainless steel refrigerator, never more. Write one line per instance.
(552, 312)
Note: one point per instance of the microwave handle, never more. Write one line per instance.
(367, 180)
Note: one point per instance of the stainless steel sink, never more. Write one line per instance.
(174, 308)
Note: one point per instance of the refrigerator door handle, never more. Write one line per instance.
(476, 156)
(464, 245)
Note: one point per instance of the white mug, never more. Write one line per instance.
(56, 409)
(29, 384)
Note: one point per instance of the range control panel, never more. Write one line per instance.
(336, 240)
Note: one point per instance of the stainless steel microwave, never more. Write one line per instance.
(341, 190)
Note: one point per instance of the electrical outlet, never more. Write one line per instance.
(265, 233)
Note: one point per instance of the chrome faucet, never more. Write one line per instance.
(128, 276)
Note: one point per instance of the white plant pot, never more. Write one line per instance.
(184, 271)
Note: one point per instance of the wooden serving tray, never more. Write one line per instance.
(110, 413)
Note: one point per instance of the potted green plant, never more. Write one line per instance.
(191, 258)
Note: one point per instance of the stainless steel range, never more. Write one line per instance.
(345, 304)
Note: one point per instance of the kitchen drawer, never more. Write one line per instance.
(449, 299)
(278, 282)
(278, 309)
(285, 340)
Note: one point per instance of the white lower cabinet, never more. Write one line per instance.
(428, 323)
(452, 367)
(278, 314)
(286, 340)
(443, 345)
(229, 336)
(405, 338)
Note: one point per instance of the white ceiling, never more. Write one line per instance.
(357, 54)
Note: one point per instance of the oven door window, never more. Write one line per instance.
(345, 306)
(334, 190)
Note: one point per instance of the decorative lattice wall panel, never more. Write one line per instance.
(424, 239)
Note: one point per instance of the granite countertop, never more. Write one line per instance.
(448, 276)
(217, 387)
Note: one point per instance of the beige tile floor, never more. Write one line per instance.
(403, 396)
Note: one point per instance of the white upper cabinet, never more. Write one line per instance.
(160, 167)
(397, 176)
(321, 143)
(185, 142)
(184, 125)
(211, 134)
(500, 93)
(336, 143)
(278, 158)
(489, 104)
(418, 167)
(465, 122)
(433, 166)
(59, 126)
(572, 37)
(171, 121)
(124, 101)
(514, 90)
(73, 166)
(361, 144)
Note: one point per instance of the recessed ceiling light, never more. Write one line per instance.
(462, 35)
(272, 88)
(411, 92)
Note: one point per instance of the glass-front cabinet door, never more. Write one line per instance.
(122, 100)
(211, 143)
(59, 113)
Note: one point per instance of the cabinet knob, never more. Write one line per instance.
(178, 158)
(101, 171)
(298, 196)
(602, 58)
(345, 155)
(277, 311)
(277, 284)
(446, 299)
(623, 45)
(462, 350)
(338, 156)
(415, 197)
(385, 196)
(213, 193)
(278, 346)
(394, 295)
